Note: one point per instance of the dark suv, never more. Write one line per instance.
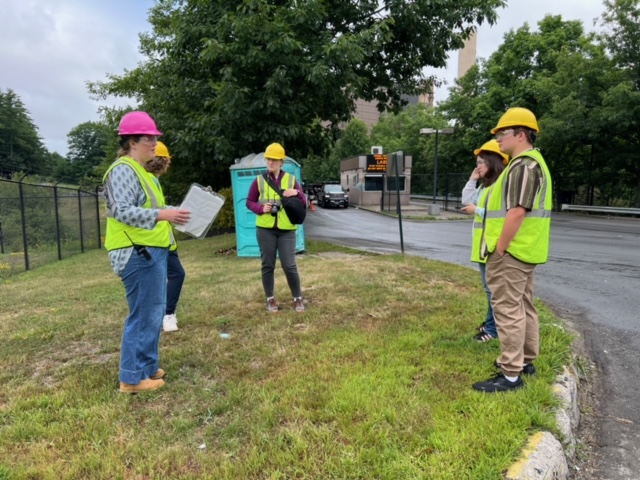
(332, 194)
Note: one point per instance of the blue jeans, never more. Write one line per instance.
(175, 277)
(145, 282)
(490, 325)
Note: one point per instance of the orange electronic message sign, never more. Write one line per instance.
(377, 163)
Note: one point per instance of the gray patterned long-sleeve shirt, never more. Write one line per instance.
(124, 197)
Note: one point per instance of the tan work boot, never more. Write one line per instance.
(143, 386)
(158, 375)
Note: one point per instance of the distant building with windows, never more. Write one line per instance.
(368, 112)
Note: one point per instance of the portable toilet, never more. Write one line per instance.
(243, 173)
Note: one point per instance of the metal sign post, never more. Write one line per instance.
(396, 159)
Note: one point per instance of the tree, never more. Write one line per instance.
(354, 140)
(621, 20)
(21, 148)
(88, 144)
(59, 166)
(402, 132)
(227, 78)
(622, 37)
(564, 77)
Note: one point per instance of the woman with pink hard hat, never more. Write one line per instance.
(138, 240)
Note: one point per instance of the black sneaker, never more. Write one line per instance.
(527, 369)
(499, 383)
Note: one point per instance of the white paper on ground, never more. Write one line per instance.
(204, 206)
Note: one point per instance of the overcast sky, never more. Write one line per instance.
(49, 49)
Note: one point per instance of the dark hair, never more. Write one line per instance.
(531, 135)
(156, 165)
(125, 143)
(495, 166)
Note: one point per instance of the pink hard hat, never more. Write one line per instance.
(138, 123)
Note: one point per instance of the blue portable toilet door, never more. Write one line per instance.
(247, 243)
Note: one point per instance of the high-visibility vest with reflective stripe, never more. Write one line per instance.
(174, 242)
(477, 246)
(120, 235)
(269, 195)
(531, 242)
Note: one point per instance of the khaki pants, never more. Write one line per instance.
(511, 285)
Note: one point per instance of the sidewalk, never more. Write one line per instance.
(419, 210)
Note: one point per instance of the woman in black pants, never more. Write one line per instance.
(275, 232)
(175, 271)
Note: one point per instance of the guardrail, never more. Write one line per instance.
(594, 209)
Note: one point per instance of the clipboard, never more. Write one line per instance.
(205, 205)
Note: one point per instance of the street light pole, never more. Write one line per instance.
(435, 171)
(429, 131)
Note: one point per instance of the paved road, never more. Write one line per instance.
(592, 278)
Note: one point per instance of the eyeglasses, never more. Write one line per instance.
(480, 162)
(148, 139)
(504, 133)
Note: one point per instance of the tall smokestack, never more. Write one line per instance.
(467, 56)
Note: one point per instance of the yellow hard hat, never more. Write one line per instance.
(492, 146)
(162, 150)
(517, 117)
(275, 151)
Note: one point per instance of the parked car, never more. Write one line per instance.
(312, 190)
(332, 195)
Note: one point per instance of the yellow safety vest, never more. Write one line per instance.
(174, 242)
(477, 245)
(269, 195)
(120, 235)
(531, 243)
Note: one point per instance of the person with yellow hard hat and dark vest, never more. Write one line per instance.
(516, 238)
(275, 233)
(138, 239)
(490, 163)
(175, 271)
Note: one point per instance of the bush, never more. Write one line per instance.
(226, 217)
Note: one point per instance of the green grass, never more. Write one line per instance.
(373, 381)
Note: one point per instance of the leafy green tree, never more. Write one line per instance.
(621, 21)
(21, 148)
(622, 103)
(59, 166)
(88, 143)
(227, 78)
(354, 140)
(402, 132)
(564, 76)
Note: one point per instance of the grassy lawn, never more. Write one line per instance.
(373, 381)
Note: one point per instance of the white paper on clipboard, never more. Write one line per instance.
(204, 205)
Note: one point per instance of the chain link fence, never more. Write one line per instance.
(43, 223)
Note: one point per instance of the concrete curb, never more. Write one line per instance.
(545, 456)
